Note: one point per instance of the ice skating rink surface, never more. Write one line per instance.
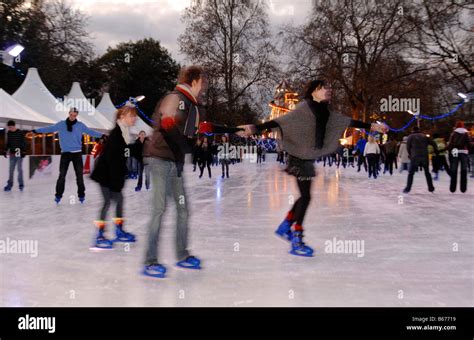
(414, 250)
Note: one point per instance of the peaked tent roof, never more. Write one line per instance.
(107, 107)
(87, 112)
(13, 109)
(34, 94)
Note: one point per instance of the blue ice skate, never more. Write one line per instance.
(57, 199)
(101, 242)
(190, 262)
(284, 230)
(298, 247)
(155, 270)
(122, 235)
(82, 199)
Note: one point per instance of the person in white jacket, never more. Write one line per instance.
(403, 155)
(371, 152)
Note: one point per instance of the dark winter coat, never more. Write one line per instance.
(204, 154)
(138, 149)
(111, 167)
(460, 140)
(417, 145)
(16, 142)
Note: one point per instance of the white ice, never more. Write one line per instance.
(418, 248)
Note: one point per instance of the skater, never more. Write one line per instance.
(417, 148)
(97, 149)
(174, 128)
(390, 149)
(224, 155)
(205, 157)
(195, 153)
(176, 121)
(110, 173)
(359, 150)
(16, 151)
(142, 167)
(70, 133)
(371, 152)
(308, 132)
(439, 161)
(458, 146)
(259, 154)
(403, 155)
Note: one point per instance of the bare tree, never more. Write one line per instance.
(231, 39)
(444, 38)
(360, 45)
(65, 30)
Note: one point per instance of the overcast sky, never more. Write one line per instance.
(114, 21)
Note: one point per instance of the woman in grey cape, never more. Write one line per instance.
(308, 132)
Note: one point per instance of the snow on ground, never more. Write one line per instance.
(417, 248)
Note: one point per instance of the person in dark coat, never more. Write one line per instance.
(16, 151)
(195, 153)
(205, 157)
(458, 146)
(142, 166)
(390, 149)
(417, 148)
(110, 173)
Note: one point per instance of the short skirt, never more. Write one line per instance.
(300, 168)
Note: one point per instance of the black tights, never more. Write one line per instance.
(301, 204)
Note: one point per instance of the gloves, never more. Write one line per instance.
(205, 127)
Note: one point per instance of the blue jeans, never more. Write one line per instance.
(13, 162)
(166, 182)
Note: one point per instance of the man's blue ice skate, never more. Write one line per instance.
(155, 270)
(190, 262)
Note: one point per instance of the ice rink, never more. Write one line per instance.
(418, 249)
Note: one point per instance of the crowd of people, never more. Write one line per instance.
(453, 155)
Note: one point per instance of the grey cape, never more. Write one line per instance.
(297, 132)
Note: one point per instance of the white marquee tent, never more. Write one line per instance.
(20, 113)
(87, 112)
(107, 107)
(34, 94)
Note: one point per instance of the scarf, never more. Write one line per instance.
(70, 124)
(186, 91)
(321, 113)
(125, 132)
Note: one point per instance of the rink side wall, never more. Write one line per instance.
(52, 172)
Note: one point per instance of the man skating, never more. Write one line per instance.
(417, 148)
(70, 133)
